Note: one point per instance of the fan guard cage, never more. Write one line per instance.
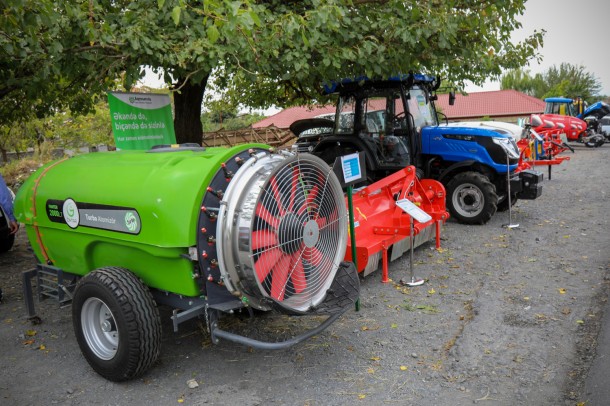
(282, 231)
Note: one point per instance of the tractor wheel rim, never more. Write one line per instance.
(99, 328)
(468, 200)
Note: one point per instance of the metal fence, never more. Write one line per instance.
(274, 136)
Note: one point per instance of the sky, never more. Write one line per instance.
(576, 32)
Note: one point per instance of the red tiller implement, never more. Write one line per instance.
(381, 226)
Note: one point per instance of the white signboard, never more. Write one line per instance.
(412, 210)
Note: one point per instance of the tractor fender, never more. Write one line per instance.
(459, 167)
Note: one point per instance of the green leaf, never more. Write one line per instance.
(213, 34)
(304, 38)
(176, 14)
(255, 18)
(160, 3)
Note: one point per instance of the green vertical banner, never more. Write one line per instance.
(141, 120)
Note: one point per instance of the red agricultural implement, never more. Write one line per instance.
(543, 145)
(383, 229)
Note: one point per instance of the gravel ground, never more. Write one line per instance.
(506, 317)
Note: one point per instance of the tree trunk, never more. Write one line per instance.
(187, 105)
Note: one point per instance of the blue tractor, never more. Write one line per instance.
(395, 123)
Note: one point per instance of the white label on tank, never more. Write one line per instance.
(71, 215)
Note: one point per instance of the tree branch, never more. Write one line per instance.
(186, 79)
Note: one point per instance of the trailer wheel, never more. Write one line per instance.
(116, 323)
(472, 198)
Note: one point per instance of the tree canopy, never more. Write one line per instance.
(566, 80)
(45, 61)
(262, 52)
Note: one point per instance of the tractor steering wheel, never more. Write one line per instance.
(398, 115)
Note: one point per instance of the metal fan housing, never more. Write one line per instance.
(281, 231)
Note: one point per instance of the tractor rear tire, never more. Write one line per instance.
(471, 198)
(343, 292)
(116, 323)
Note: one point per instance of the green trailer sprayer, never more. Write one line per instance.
(204, 231)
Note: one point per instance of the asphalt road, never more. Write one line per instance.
(597, 384)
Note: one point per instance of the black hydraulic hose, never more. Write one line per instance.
(262, 345)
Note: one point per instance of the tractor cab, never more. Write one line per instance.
(372, 118)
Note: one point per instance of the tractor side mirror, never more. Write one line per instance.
(451, 98)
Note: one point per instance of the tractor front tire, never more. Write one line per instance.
(503, 205)
(472, 198)
(595, 142)
(116, 323)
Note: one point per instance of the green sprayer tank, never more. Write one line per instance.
(205, 231)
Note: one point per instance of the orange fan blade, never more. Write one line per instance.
(263, 238)
(266, 262)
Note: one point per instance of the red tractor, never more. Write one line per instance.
(579, 125)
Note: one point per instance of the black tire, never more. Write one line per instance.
(596, 141)
(329, 154)
(503, 205)
(6, 238)
(471, 198)
(343, 292)
(6, 243)
(116, 323)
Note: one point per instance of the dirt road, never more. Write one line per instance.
(507, 317)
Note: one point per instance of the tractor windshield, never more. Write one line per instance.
(561, 108)
(367, 114)
(377, 117)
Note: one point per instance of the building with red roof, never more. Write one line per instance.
(284, 118)
(500, 105)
